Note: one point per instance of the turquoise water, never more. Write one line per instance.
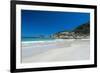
(36, 39)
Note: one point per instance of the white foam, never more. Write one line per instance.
(56, 40)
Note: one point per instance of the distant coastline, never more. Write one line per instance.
(81, 32)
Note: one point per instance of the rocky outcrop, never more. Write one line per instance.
(64, 35)
(82, 31)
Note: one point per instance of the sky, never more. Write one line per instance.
(34, 23)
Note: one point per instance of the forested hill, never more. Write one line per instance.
(82, 31)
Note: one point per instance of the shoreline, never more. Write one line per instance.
(65, 50)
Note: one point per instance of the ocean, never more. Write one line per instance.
(36, 39)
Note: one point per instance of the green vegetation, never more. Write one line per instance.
(81, 31)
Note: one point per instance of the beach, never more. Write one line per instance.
(55, 50)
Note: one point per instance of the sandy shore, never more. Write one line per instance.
(59, 50)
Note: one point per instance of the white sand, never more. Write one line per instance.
(61, 50)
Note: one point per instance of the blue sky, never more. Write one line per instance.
(35, 23)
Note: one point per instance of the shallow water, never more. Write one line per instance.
(36, 39)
